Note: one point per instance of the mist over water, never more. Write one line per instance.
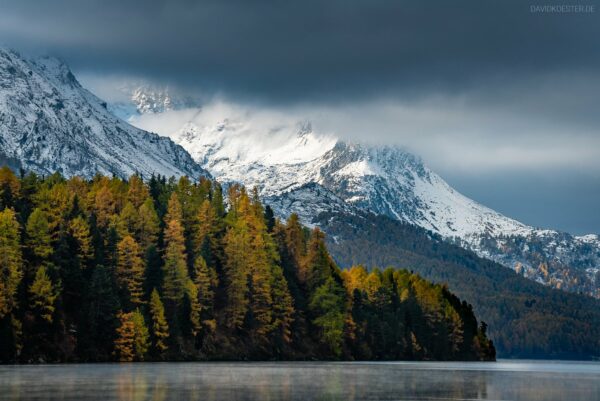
(513, 380)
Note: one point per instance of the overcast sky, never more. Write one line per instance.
(500, 100)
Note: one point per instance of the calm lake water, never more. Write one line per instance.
(504, 380)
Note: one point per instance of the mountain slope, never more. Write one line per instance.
(49, 122)
(385, 180)
(525, 318)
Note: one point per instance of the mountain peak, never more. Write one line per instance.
(50, 123)
(57, 70)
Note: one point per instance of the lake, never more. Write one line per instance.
(440, 381)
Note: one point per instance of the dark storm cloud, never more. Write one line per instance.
(308, 50)
(501, 100)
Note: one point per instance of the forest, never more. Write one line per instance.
(159, 270)
(526, 319)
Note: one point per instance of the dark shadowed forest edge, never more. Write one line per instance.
(115, 270)
(526, 319)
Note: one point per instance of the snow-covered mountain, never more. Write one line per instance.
(299, 170)
(146, 98)
(49, 122)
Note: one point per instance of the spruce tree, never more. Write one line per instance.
(318, 264)
(175, 267)
(283, 307)
(160, 327)
(42, 295)
(327, 306)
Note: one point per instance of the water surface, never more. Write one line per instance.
(505, 380)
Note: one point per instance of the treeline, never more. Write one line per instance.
(108, 269)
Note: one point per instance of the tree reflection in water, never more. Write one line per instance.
(302, 381)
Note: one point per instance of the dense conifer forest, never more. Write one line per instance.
(127, 270)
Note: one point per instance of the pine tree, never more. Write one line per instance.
(175, 288)
(137, 192)
(174, 269)
(189, 198)
(217, 200)
(29, 186)
(105, 205)
(79, 229)
(128, 219)
(295, 247)
(132, 337)
(160, 327)
(204, 231)
(147, 225)
(205, 280)
(174, 211)
(236, 274)
(10, 188)
(130, 269)
(283, 306)
(261, 301)
(125, 341)
(11, 261)
(42, 295)
(193, 307)
(318, 265)
(327, 306)
(55, 199)
(39, 239)
(141, 341)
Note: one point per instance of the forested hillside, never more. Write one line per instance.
(109, 269)
(526, 319)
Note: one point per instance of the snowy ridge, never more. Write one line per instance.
(146, 98)
(49, 123)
